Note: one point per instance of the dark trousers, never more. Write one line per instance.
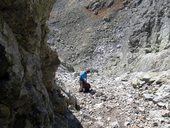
(84, 86)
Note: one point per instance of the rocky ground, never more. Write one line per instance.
(127, 42)
(138, 100)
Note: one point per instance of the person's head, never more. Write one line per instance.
(88, 70)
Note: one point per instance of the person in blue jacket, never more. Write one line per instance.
(84, 86)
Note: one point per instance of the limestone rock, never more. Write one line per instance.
(115, 124)
(162, 93)
(148, 96)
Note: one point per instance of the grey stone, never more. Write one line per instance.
(126, 124)
(109, 3)
(162, 93)
(155, 124)
(114, 124)
(148, 96)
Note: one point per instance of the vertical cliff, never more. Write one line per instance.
(28, 95)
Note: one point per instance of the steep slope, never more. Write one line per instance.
(137, 100)
(125, 36)
(127, 41)
(29, 97)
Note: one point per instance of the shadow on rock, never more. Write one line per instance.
(91, 91)
(72, 121)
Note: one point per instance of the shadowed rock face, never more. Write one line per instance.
(3, 63)
(28, 67)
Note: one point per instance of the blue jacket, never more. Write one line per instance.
(83, 75)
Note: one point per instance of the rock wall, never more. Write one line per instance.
(128, 43)
(126, 36)
(29, 97)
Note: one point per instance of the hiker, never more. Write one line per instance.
(84, 86)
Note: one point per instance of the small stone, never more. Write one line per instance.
(97, 106)
(146, 78)
(165, 113)
(109, 118)
(96, 5)
(148, 50)
(125, 2)
(135, 83)
(99, 94)
(155, 124)
(99, 118)
(118, 46)
(58, 39)
(129, 100)
(148, 96)
(95, 12)
(168, 106)
(167, 126)
(160, 80)
(100, 123)
(126, 123)
(109, 3)
(161, 104)
(115, 124)
(142, 109)
(106, 19)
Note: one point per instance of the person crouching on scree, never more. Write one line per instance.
(84, 86)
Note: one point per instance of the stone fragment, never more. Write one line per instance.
(146, 78)
(106, 19)
(162, 93)
(165, 113)
(161, 104)
(99, 94)
(126, 124)
(100, 123)
(142, 109)
(109, 3)
(155, 124)
(99, 105)
(148, 96)
(135, 83)
(114, 124)
(95, 6)
(168, 106)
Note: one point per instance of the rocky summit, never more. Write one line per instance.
(44, 44)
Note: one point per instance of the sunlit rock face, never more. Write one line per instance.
(119, 35)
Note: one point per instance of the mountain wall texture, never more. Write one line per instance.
(29, 97)
(128, 43)
(115, 36)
